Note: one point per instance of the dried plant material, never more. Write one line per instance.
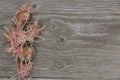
(21, 39)
(23, 15)
(24, 68)
(27, 53)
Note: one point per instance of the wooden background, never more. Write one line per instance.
(82, 39)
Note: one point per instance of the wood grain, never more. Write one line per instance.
(82, 39)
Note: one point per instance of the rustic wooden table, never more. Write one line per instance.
(82, 39)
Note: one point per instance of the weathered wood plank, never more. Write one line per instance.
(82, 39)
(39, 79)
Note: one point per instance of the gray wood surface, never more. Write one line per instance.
(82, 39)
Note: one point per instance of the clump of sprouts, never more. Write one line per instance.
(21, 39)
